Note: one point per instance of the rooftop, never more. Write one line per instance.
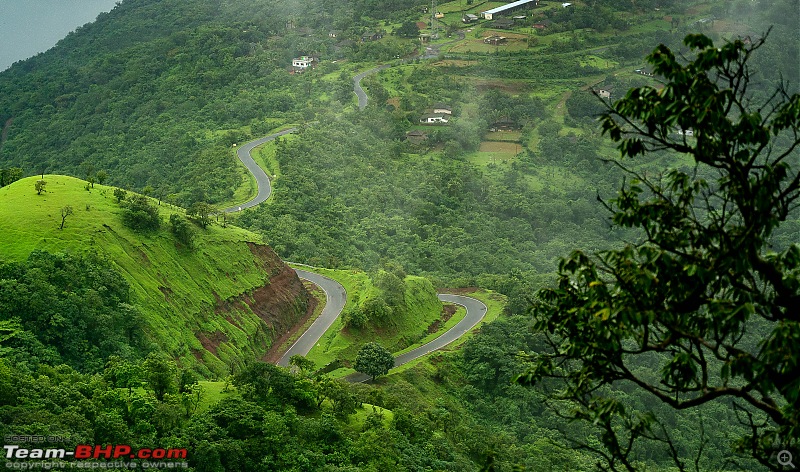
(508, 6)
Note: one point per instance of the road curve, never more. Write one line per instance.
(431, 52)
(335, 298)
(262, 180)
(476, 310)
(360, 93)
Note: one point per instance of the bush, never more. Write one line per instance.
(140, 214)
(182, 230)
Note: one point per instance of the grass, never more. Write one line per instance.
(248, 187)
(181, 293)
(554, 178)
(478, 46)
(265, 155)
(457, 316)
(506, 136)
(335, 343)
(213, 393)
(495, 302)
(494, 152)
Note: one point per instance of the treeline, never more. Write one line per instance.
(460, 413)
(530, 428)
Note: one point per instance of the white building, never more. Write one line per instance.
(434, 118)
(507, 8)
(302, 62)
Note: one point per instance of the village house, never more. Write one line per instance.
(300, 64)
(371, 36)
(604, 93)
(442, 109)
(504, 124)
(434, 118)
(508, 8)
(503, 23)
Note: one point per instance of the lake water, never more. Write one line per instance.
(28, 27)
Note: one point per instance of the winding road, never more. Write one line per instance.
(431, 52)
(262, 180)
(360, 93)
(476, 310)
(335, 294)
(335, 298)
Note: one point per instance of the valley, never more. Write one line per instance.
(442, 177)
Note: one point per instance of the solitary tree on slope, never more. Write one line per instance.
(374, 360)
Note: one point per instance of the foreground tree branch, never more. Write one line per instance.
(702, 300)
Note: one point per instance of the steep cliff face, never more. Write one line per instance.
(279, 304)
(284, 301)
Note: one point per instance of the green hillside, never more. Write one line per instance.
(154, 95)
(218, 303)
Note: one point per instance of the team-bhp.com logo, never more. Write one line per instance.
(83, 453)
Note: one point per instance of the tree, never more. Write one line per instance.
(10, 175)
(408, 30)
(101, 176)
(200, 212)
(303, 364)
(703, 294)
(140, 214)
(159, 372)
(120, 194)
(122, 373)
(39, 186)
(65, 212)
(374, 360)
(266, 383)
(343, 401)
(182, 230)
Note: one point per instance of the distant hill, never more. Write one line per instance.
(214, 305)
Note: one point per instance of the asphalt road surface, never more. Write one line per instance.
(476, 310)
(362, 96)
(335, 298)
(262, 180)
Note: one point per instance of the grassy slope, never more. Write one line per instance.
(176, 289)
